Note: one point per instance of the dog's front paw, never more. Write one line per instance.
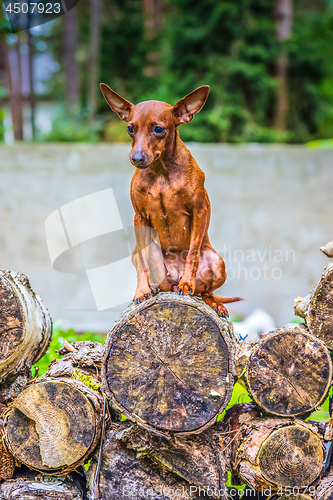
(184, 288)
(142, 294)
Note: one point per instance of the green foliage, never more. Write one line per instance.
(71, 127)
(231, 46)
(57, 343)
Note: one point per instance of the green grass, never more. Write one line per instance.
(58, 336)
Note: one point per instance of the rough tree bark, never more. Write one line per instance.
(266, 452)
(289, 372)
(7, 465)
(283, 16)
(49, 488)
(124, 476)
(197, 459)
(25, 332)
(59, 422)
(317, 308)
(324, 489)
(168, 364)
(14, 93)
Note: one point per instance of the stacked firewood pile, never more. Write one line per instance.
(137, 418)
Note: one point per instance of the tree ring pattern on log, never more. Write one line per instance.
(289, 373)
(11, 320)
(291, 456)
(168, 365)
(50, 426)
(320, 312)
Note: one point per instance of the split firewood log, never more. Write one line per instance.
(49, 488)
(269, 453)
(196, 458)
(123, 475)
(317, 307)
(25, 332)
(54, 424)
(289, 372)
(80, 357)
(168, 364)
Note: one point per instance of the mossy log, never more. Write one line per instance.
(270, 453)
(168, 364)
(317, 308)
(289, 372)
(49, 488)
(81, 358)
(198, 459)
(54, 425)
(25, 331)
(124, 476)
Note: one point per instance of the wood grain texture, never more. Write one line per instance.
(196, 458)
(54, 424)
(320, 311)
(46, 489)
(270, 453)
(168, 364)
(25, 326)
(125, 476)
(289, 372)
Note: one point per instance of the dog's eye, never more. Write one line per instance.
(130, 129)
(158, 129)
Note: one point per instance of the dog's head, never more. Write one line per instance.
(152, 124)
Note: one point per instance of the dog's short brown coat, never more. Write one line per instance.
(168, 195)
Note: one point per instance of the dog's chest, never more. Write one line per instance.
(165, 199)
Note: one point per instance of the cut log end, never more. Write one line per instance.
(291, 456)
(52, 425)
(289, 372)
(169, 364)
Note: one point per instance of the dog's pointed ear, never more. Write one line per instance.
(117, 103)
(191, 104)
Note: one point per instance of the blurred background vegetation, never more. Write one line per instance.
(269, 65)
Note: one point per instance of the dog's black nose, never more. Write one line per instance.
(138, 158)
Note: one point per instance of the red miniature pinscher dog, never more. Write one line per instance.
(168, 195)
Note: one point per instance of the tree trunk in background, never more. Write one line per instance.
(31, 85)
(283, 17)
(95, 8)
(152, 13)
(14, 92)
(70, 63)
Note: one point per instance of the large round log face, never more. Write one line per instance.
(289, 373)
(320, 317)
(11, 320)
(169, 366)
(51, 426)
(291, 456)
